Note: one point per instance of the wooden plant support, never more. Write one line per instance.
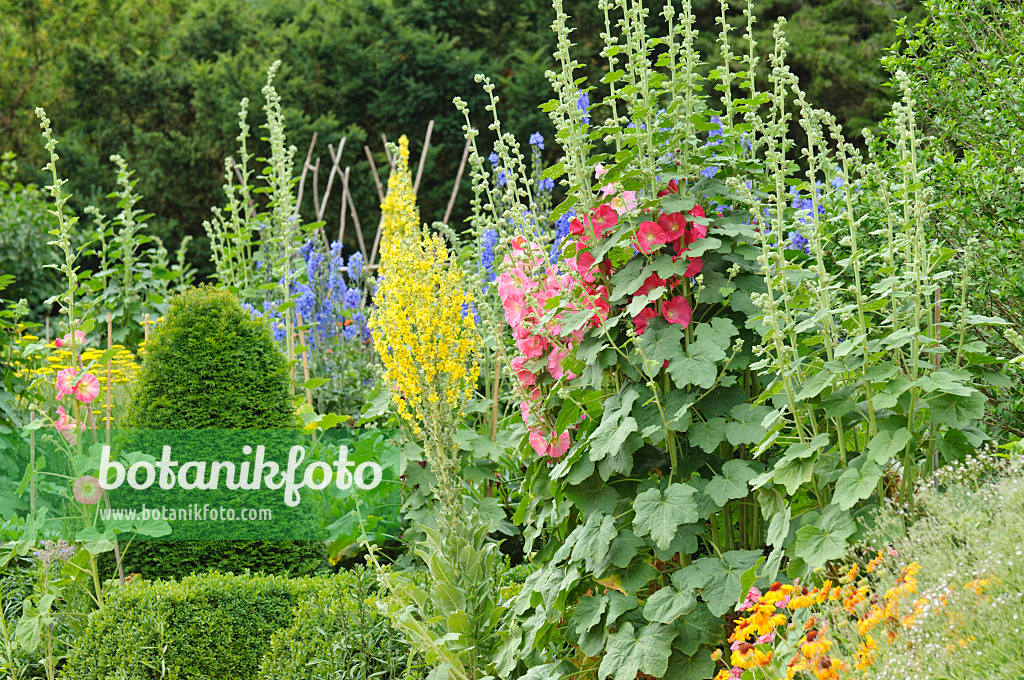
(458, 182)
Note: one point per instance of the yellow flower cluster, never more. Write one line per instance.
(122, 364)
(399, 207)
(422, 326)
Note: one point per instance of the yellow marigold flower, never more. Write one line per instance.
(977, 585)
(819, 647)
(870, 620)
(822, 594)
(748, 656)
(801, 601)
(850, 575)
(873, 564)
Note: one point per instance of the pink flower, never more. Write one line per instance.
(673, 224)
(532, 346)
(598, 223)
(67, 427)
(514, 306)
(649, 236)
(525, 377)
(555, 363)
(673, 188)
(66, 340)
(552, 446)
(599, 171)
(88, 490)
(87, 388)
(625, 203)
(677, 310)
(66, 382)
(583, 264)
(752, 598)
(643, 318)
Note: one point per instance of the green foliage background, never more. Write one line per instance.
(159, 82)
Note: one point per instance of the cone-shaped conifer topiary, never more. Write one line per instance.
(209, 365)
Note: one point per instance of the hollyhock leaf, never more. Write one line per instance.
(685, 541)
(703, 245)
(707, 434)
(588, 613)
(676, 203)
(697, 627)
(631, 651)
(668, 604)
(747, 428)
(637, 576)
(659, 513)
(885, 446)
(732, 483)
(778, 530)
(662, 342)
(592, 544)
(722, 578)
(640, 301)
(627, 280)
(857, 482)
(699, 366)
(695, 667)
(623, 549)
(615, 425)
(957, 411)
(824, 540)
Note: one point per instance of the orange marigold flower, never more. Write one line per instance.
(873, 564)
(866, 653)
(748, 656)
(822, 594)
(850, 575)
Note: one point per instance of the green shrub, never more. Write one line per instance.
(212, 626)
(210, 365)
(338, 632)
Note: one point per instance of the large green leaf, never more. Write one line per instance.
(732, 483)
(699, 365)
(747, 428)
(957, 411)
(632, 651)
(885, 445)
(722, 578)
(659, 513)
(592, 544)
(668, 604)
(707, 435)
(856, 483)
(825, 540)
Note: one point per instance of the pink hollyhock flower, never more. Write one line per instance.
(625, 203)
(601, 309)
(607, 190)
(677, 310)
(599, 171)
(86, 388)
(66, 340)
(66, 382)
(552, 446)
(555, 367)
(652, 282)
(583, 264)
(532, 346)
(525, 377)
(673, 224)
(697, 211)
(67, 427)
(648, 237)
(767, 638)
(559, 446)
(643, 318)
(515, 308)
(598, 223)
(88, 490)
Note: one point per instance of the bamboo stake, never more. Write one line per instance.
(344, 203)
(335, 160)
(423, 156)
(376, 176)
(391, 161)
(145, 329)
(302, 178)
(47, 330)
(458, 181)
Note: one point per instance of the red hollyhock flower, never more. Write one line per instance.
(603, 219)
(643, 318)
(677, 310)
(673, 224)
(694, 266)
(652, 282)
(649, 236)
(673, 188)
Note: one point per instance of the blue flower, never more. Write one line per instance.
(493, 158)
(353, 298)
(489, 239)
(537, 140)
(583, 104)
(710, 171)
(502, 180)
(715, 133)
(355, 266)
(561, 231)
(799, 242)
(546, 184)
(837, 182)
